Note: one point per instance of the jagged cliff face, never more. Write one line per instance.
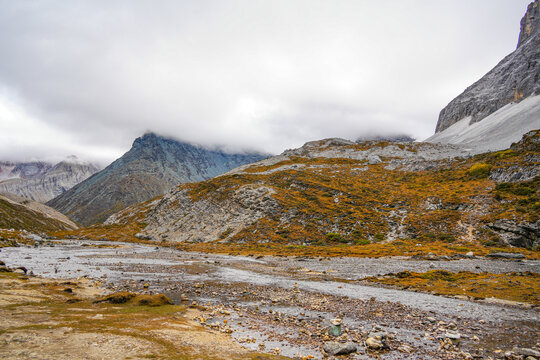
(152, 166)
(338, 191)
(40, 181)
(515, 78)
(530, 24)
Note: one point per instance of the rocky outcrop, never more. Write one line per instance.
(530, 23)
(40, 181)
(523, 234)
(150, 168)
(515, 78)
(176, 217)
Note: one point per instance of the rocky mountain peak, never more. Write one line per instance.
(147, 138)
(150, 168)
(530, 23)
(514, 79)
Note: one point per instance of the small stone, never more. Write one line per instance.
(469, 254)
(455, 337)
(334, 348)
(405, 348)
(431, 319)
(374, 343)
(335, 330)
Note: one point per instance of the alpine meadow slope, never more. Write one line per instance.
(335, 192)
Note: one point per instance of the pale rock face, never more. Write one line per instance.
(176, 217)
(530, 23)
(40, 181)
(515, 78)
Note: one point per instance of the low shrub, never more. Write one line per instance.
(335, 237)
(479, 171)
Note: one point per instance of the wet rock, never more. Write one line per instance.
(527, 352)
(374, 343)
(502, 255)
(335, 329)
(453, 336)
(334, 348)
(405, 348)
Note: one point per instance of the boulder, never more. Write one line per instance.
(335, 348)
(502, 255)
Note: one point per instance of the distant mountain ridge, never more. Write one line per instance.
(41, 181)
(515, 78)
(394, 138)
(151, 167)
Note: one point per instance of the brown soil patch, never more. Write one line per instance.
(41, 320)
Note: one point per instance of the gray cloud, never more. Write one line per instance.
(265, 75)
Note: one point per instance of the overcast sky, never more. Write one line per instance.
(88, 77)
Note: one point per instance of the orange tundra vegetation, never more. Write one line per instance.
(346, 207)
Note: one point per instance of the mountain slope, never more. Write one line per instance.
(515, 78)
(42, 182)
(495, 132)
(22, 214)
(152, 166)
(334, 191)
(23, 170)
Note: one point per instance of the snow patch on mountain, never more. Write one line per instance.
(496, 131)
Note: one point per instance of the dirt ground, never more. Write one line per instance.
(49, 319)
